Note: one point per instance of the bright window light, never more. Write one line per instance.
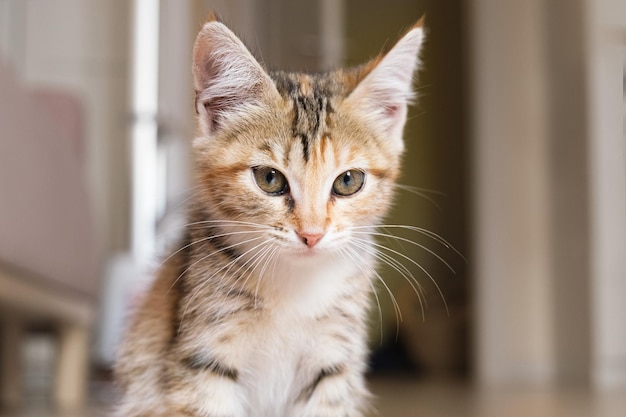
(144, 131)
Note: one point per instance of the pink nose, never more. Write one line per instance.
(310, 239)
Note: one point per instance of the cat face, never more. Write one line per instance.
(303, 160)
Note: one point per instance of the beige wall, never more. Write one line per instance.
(511, 255)
(550, 172)
(606, 63)
(82, 47)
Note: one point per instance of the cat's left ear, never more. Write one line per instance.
(384, 93)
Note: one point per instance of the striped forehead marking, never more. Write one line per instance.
(311, 98)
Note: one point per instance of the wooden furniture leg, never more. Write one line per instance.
(70, 388)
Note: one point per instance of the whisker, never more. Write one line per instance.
(229, 223)
(224, 223)
(420, 193)
(402, 270)
(250, 263)
(396, 306)
(207, 238)
(253, 263)
(383, 256)
(270, 259)
(347, 256)
(414, 263)
(432, 235)
(412, 188)
(416, 116)
(209, 255)
(227, 266)
(388, 235)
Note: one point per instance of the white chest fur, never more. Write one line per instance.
(280, 351)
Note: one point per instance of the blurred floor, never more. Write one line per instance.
(441, 399)
(410, 398)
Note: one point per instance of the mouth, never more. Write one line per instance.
(307, 252)
(310, 252)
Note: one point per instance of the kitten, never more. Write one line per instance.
(263, 310)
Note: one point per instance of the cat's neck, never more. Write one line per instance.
(310, 287)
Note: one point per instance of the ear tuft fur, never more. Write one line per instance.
(213, 17)
(420, 22)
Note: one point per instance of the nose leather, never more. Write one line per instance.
(310, 239)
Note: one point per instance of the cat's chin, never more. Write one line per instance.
(309, 254)
(306, 254)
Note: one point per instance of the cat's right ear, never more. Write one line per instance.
(229, 82)
(386, 86)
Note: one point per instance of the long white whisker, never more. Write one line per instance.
(274, 261)
(397, 265)
(390, 236)
(402, 270)
(228, 266)
(414, 263)
(348, 256)
(254, 262)
(420, 230)
(230, 223)
(421, 189)
(250, 263)
(207, 238)
(267, 261)
(270, 259)
(396, 306)
(224, 223)
(209, 255)
(420, 193)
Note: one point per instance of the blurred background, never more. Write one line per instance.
(516, 155)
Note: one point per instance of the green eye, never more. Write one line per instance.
(349, 183)
(270, 180)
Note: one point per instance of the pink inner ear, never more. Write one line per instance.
(214, 108)
(391, 110)
(210, 115)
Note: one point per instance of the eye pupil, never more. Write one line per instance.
(349, 183)
(270, 180)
